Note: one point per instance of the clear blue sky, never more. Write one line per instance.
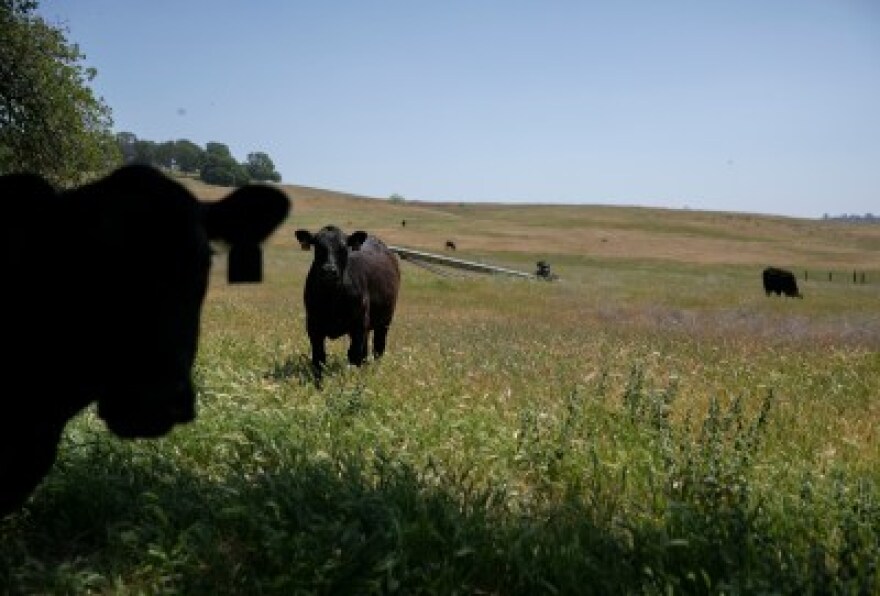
(747, 105)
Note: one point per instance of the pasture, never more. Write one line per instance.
(650, 423)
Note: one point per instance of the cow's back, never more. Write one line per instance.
(374, 270)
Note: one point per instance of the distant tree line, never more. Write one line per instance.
(866, 218)
(214, 164)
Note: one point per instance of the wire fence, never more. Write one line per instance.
(854, 276)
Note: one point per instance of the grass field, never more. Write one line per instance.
(650, 423)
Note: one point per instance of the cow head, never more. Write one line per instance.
(142, 278)
(331, 247)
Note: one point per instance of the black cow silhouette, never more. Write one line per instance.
(101, 300)
(780, 281)
(351, 289)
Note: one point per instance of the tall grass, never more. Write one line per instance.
(587, 436)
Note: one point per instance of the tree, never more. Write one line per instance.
(215, 149)
(188, 156)
(127, 142)
(164, 155)
(260, 167)
(50, 121)
(221, 168)
(144, 152)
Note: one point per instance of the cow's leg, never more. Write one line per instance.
(357, 351)
(379, 336)
(319, 355)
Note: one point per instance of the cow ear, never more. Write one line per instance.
(357, 239)
(243, 220)
(305, 239)
(247, 216)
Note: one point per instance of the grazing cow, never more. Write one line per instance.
(351, 289)
(101, 299)
(779, 281)
(543, 271)
(450, 245)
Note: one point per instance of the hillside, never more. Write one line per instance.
(588, 231)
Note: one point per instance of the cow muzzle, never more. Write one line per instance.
(329, 272)
(148, 412)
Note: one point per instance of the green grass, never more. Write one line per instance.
(640, 426)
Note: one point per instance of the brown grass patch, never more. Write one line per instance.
(601, 232)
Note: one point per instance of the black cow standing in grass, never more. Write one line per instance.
(780, 281)
(101, 298)
(351, 289)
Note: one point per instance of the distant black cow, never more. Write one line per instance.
(351, 289)
(779, 281)
(450, 245)
(100, 301)
(543, 271)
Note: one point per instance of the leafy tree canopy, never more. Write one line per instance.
(221, 168)
(214, 164)
(50, 121)
(218, 150)
(188, 156)
(260, 167)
